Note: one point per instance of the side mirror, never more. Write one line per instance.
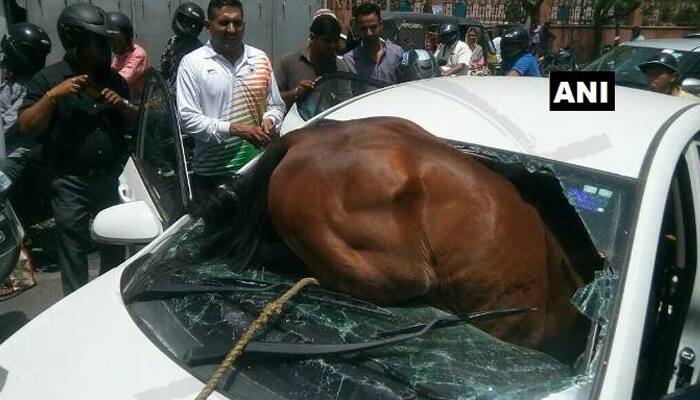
(691, 85)
(127, 223)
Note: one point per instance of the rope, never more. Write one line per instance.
(270, 310)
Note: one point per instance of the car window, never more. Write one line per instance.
(333, 89)
(157, 150)
(625, 59)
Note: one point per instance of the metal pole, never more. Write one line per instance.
(617, 22)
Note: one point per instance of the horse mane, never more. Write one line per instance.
(236, 216)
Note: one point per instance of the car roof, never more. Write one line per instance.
(682, 44)
(512, 114)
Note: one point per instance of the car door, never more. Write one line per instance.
(671, 335)
(156, 172)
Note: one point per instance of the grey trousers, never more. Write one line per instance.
(75, 199)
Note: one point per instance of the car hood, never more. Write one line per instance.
(87, 347)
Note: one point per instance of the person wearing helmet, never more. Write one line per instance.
(417, 64)
(298, 71)
(187, 24)
(662, 76)
(24, 49)
(78, 109)
(455, 53)
(23, 52)
(131, 60)
(516, 55)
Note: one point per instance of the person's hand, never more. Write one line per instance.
(253, 134)
(69, 86)
(303, 87)
(111, 97)
(268, 127)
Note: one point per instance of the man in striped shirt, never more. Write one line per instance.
(227, 97)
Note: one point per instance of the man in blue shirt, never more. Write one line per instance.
(517, 59)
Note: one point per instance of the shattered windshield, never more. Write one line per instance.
(195, 309)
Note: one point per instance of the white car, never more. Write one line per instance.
(157, 326)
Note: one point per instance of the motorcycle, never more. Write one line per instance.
(563, 60)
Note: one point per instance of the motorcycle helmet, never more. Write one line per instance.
(448, 34)
(25, 47)
(188, 20)
(78, 21)
(514, 43)
(122, 23)
(417, 64)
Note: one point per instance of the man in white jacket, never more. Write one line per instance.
(227, 97)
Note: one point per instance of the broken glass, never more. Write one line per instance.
(460, 362)
(595, 299)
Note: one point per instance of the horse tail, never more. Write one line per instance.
(237, 218)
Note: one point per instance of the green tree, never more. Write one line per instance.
(514, 12)
(532, 11)
(606, 12)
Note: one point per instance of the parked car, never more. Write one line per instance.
(625, 58)
(157, 326)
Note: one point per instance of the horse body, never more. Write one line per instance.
(382, 210)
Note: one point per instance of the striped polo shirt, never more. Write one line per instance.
(212, 93)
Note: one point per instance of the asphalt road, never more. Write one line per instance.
(18, 310)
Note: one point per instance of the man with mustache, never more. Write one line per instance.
(227, 97)
(374, 58)
(298, 71)
(79, 111)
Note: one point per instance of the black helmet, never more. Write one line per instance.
(188, 20)
(515, 42)
(448, 33)
(664, 59)
(417, 64)
(78, 21)
(122, 23)
(25, 47)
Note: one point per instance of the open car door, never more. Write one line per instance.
(154, 185)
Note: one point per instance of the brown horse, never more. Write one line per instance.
(380, 209)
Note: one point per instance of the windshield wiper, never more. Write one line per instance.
(215, 353)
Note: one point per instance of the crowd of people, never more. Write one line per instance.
(71, 117)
